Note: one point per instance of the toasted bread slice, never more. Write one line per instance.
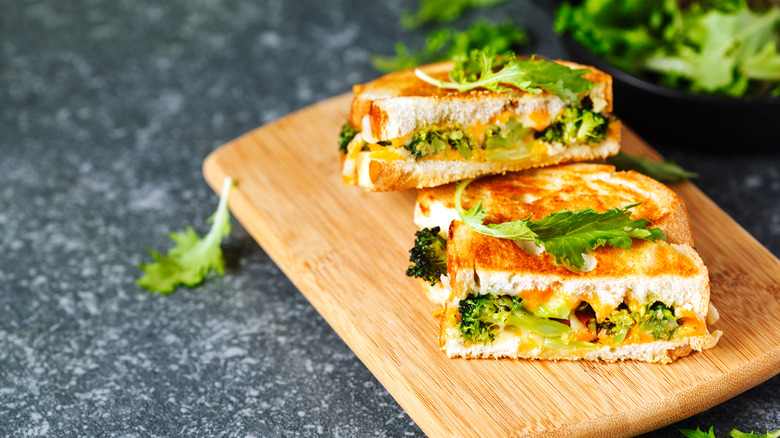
(539, 192)
(394, 111)
(638, 283)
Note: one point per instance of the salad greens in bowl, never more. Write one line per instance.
(706, 74)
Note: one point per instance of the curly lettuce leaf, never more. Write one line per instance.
(474, 218)
(720, 47)
(483, 69)
(737, 434)
(566, 235)
(193, 257)
(442, 11)
(446, 43)
(698, 433)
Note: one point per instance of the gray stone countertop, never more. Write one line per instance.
(107, 110)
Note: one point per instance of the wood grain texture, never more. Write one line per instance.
(347, 250)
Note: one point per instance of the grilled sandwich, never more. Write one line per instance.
(536, 193)
(647, 303)
(404, 132)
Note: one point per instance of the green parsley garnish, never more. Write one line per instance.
(698, 433)
(192, 258)
(566, 235)
(442, 11)
(667, 171)
(447, 43)
(483, 69)
(737, 434)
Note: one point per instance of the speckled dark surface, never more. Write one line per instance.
(107, 110)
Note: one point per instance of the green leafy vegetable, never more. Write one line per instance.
(345, 136)
(507, 143)
(737, 434)
(483, 69)
(428, 256)
(441, 11)
(698, 433)
(565, 235)
(448, 43)
(482, 316)
(718, 46)
(667, 171)
(576, 124)
(192, 258)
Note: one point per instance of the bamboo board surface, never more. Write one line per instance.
(347, 250)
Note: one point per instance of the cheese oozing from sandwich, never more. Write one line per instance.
(648, 303)
(413, 134)
(536, 193)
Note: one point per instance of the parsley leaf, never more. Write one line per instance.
(191, 258)
(667, 171)
(483, 69)
(737, 434)
(447, 43)
(441, 11)
(566, 235)
(698, 433)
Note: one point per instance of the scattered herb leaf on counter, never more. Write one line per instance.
(698, 433)
(193, 257)
(447, 43)
(737, 434)
(484, 69)
(720, 46)
(566, 235)
(667, 171)
(441, 11)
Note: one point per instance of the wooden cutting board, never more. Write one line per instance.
(347, 251)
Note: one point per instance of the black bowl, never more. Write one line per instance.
(683, 119)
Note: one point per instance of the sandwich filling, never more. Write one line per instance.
(506, 137)
(536, 323)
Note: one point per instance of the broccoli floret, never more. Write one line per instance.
(429, 255)
(431, 142)
(346, 136)
(576, 124)
(482, 316)
(656, 318)
(617, 324)
(659, 321)
(425, 143)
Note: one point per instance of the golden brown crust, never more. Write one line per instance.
(539, 192)
(468, 250)
(645, 273)
(399, 104)
(404, 83)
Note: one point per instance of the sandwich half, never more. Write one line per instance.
(404, 132)
(536, 193)
(648, 303)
